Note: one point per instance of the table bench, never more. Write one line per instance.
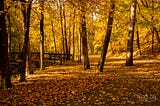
(60, 57)
(15, 66)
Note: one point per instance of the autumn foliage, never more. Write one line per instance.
(70, 85)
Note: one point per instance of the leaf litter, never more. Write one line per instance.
(70, 85)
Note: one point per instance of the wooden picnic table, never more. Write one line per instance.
(60, 57)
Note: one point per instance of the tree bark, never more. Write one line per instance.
(107, 37)
(157, 35)
(23, 68)
(29, 69)
(73, 36)
(80, 46)
(129, 57)
(65, 33)
(9, 35)
(9, 43)
(152, 29)
(61, 22)
(138, 43)
(42, 36)
(69, 44)
(84, 39)
(5, 80)
(26, 11)
(152, 26)
(54, 37)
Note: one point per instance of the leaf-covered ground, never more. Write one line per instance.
(70, 85)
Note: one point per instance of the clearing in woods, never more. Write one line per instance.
(70, 85)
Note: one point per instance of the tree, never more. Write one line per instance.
(9, 34)
(152, 25)
(42, 35)
(129, 57)
(26, 11)
(5, 80)
(138, 43)
(61, 22)
(65, 32)
(54, 37)
(84, 37)
(107, 37)
(73, 34)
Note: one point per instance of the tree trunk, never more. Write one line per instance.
(152, 26)
(73, 36)
(65, 33)
(84, 40)
(107, 37)
(129, 57)
(9, 35)
(42, 36)
(138, 44)
(30, 71)
(157, 35)
(79, 46)
(69, 43)
(62, 31)
(152, 39)
(5, 80)
(9, 42)
(25, 55)
(54, 37)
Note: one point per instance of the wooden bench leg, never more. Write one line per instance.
(61, 61)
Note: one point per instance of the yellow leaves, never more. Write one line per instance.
(71, 86)
(103, 92)
(113, 99)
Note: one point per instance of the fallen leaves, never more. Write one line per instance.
(72, 86)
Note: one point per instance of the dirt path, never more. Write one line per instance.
(70, 85)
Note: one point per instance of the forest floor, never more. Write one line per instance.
(70, 85)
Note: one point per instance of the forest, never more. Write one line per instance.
(80, 52)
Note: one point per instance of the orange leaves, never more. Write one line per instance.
(72, 86)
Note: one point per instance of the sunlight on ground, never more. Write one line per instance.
(71, 85)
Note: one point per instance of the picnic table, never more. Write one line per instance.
(59, 57)
(35, 57)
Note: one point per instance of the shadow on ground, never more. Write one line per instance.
(70, 85)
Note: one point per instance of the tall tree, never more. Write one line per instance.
(107, 37)
(73, 34)
(26, 11)
(138, 41)
(129, 57)
(53, 28)
(5, 80)
(84, 37)
(152, 25)
(79, 41)
(61, 22)
(65, 31)
(42, 35)
(54, 37)
(9, 34)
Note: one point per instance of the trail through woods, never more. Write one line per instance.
(70, 85)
